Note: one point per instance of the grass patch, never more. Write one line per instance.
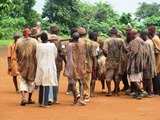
(5, 42)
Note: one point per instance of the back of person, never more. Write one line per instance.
(156, 42)
(90, 52)
(46, 55)
(26, 50)
(113, 48)
(76, 60)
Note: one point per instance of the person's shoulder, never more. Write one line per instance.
(156, 38)
(107, 40)
(120, 39)
(148, 41)
(19, 41)
(33, 39)
(133, 42)
(138, 39)
(95, 43)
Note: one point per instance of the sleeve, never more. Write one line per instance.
(37, 53)
(9, 57)
(105, 48)
(94, 49)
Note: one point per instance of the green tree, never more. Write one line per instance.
(60, 11)
(147, 10)
(5, 7)
(126, 18)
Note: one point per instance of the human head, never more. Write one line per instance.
(93, 36)
(82, 31)
(54, 30)
(143, 35)
(44, 37)
(75, 37)
(73, 30)
(113, 32)
(131, 34)
(16, 36)
(128, 36)
(151, 31)
(26, 32)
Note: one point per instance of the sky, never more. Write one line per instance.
(127, 6)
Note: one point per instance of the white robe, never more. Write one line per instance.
(46, 74)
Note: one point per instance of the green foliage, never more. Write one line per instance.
(60, 11)
(147, 10)
(14, 14)
(5, 7)
(8, 26)
(126, 18)
(19, 8)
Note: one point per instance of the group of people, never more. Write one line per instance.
(38, 57)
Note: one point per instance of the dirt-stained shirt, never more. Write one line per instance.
(113, 51)
(90, 48)
(26, 58)
(76, 57)
(12, 64)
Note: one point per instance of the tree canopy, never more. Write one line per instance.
(14, 14)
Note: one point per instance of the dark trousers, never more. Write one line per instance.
(69, 87)
(147, 85)
(133, 87)
(125, 81)
(55, 93)
(137, 88)
(156, 84)
(43, 95)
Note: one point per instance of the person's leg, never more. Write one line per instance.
(40, 95)
(74, 89)
(108, 83)
(138, 90)
(56, 88)
(86, 85)
(125, 82)
(149, 86)
(15, 83)
(55, 94)
(46, 94)
(145, 84)
(24, 98)
(117, 82)
(133, 87)
(50, 101)
(103, 84)
(92, 89)
(23, 89)
(109, 78)
(31, 87)
(69, 87)
(155, 87)
(158, 84)
(81, 99)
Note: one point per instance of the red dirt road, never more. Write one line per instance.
(100, 108)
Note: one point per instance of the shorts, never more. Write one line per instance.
(137, 77)
(112, 74)
(24, 86)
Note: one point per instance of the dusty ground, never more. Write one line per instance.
(100, 108)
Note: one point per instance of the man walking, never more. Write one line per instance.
(26, 59)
